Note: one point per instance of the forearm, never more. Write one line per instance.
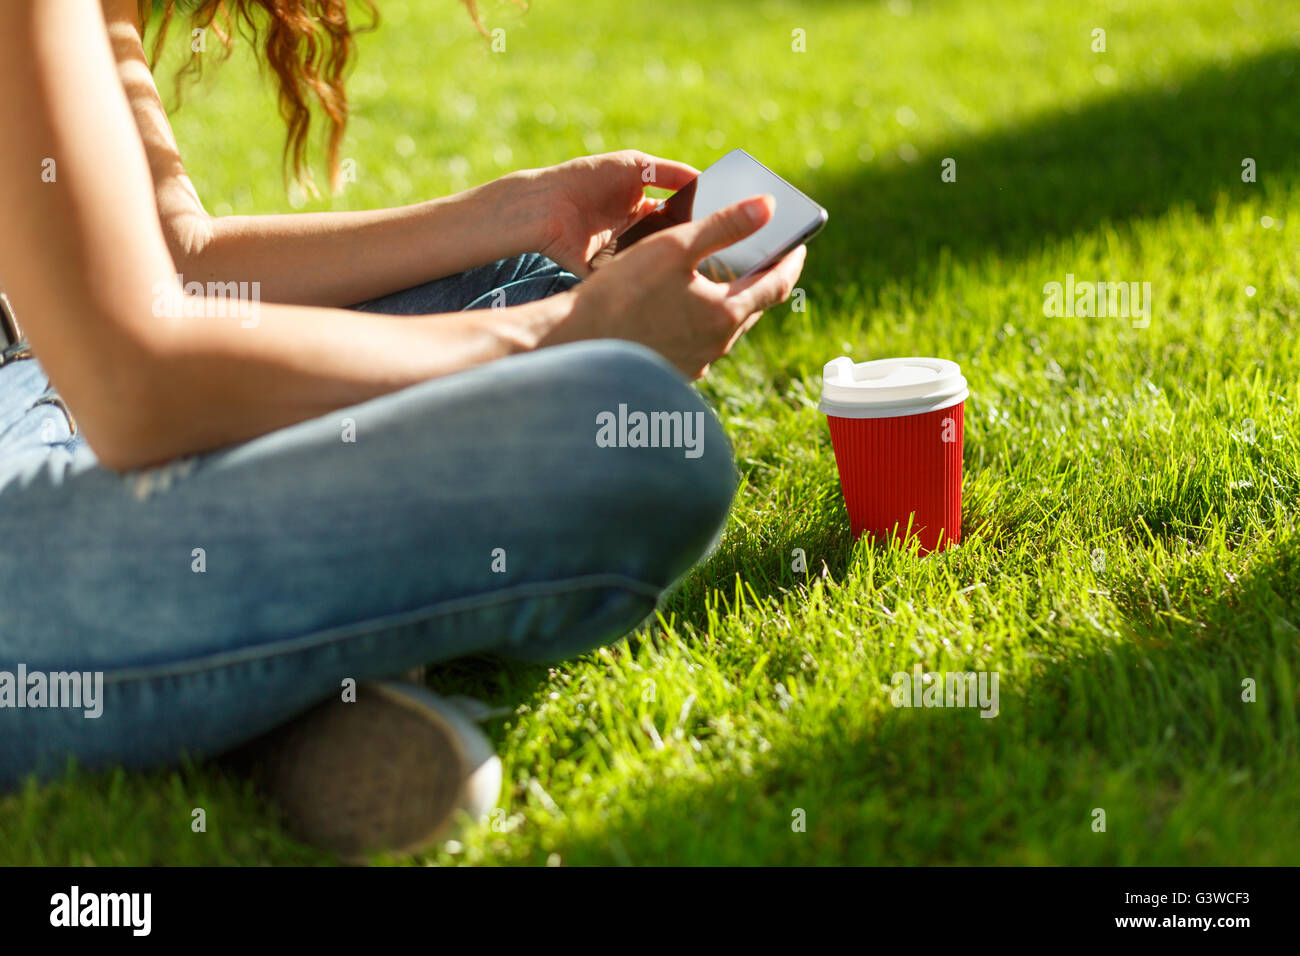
(199, 383)
(342, 258)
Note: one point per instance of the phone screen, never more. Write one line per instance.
(736, 176)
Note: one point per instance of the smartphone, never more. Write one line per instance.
(734, 177)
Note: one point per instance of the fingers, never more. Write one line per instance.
(645, 206)
(726, 226)
(664, 173)
(761, 291)
(749, 322)
(766, 289)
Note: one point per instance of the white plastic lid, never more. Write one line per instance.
(890, 388)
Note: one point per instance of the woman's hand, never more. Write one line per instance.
(651, 292)
(584, 203)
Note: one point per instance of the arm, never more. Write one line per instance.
(329, 258)
(84, 259)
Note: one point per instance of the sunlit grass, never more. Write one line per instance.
(1131, 554)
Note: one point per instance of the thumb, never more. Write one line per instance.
(728, 226)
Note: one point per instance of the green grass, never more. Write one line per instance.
(1172, 449)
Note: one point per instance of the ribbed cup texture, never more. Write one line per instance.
(899, 470)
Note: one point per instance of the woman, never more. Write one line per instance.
(232, 520)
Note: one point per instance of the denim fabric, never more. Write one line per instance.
(513, 281)
(223, 593)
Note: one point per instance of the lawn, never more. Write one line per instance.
(1131, 556)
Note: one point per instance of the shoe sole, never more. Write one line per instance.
(385, 773)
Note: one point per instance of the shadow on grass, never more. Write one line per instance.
(1156, 734)
(1132, 155)
(1112, 161)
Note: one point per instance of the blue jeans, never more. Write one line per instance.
(221, 594)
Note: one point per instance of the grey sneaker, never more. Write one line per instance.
(387, 773)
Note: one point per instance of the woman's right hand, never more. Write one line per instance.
(651, 292)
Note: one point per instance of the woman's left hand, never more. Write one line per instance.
(587, 201)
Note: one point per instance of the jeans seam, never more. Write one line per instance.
(327, 636)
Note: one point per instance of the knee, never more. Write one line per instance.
(663, 446)
(645, 508)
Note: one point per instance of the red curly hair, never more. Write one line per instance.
(307, 43)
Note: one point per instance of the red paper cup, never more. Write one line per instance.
(896, 425)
